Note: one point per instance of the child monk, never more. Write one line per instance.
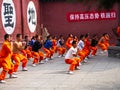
(54, 43)
(93, 46)
(69, 41)
(37, 54)
(5, 59)
(17, 56)
(48, 48)
(61, 49)
(75, 38)
(29, 48)
(27, 41)
(32, 42)
(71, 58)
(81, 52)
(104, 42)
(26, 51)
(87, 45)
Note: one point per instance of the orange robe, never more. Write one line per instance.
(38, 56)
(82, 55)
(61, 50)
(24, 52)
(19, 58)
(86, 48)
(29, 53)
(104, 44)
(73, 63)
(54, 43)
(69, 42)
(49, 52)
(107, 42)
(93, 50)
(5, 60)
(85, 51)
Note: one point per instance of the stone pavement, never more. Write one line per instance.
(99, 73)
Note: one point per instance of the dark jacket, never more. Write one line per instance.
(94, 42)
(36, 46)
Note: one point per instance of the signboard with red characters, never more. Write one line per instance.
(89, 16)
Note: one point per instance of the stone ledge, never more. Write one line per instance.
(114, 51)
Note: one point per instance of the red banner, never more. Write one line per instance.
(85, 16)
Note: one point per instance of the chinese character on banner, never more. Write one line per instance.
(77, 17)
(97, 16)
(8, 16)
(72, 17)
(113, 15)
(108, 15)
(102, 15)
(31, 16)
(82, 17)
(91, 16)
(86, 16)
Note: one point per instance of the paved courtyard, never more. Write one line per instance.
(99, 73)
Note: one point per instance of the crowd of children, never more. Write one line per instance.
(41, 51)
(80, 50)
